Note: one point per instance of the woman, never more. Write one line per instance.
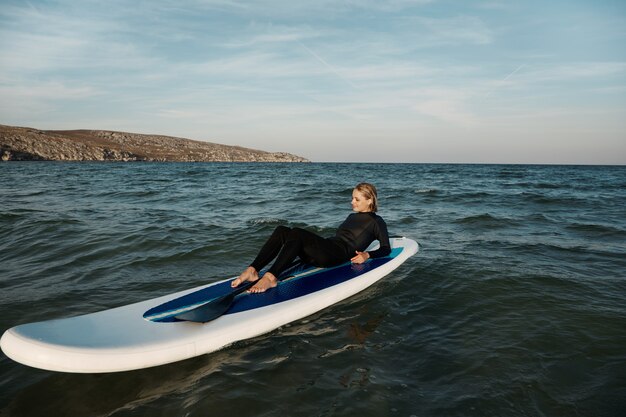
(349, 243)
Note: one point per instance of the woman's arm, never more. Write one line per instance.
(381, 234)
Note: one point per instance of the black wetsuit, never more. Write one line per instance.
(355, 234)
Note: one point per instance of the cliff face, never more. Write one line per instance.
(27, 144)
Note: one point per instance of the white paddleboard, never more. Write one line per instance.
(146, 334)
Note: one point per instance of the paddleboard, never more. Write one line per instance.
(147, 333)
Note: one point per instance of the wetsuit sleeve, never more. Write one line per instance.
(381, 234)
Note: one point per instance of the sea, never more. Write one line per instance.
(515, 304)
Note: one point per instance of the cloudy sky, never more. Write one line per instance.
(519, 81)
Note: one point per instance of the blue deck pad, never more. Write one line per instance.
(311, 279)
(307, 284)
(165, 312)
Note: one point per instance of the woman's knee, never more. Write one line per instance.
(282, 231)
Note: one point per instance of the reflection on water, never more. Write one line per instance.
(78, 395)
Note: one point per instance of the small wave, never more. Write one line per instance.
(545, 199)
(547, 185)
(266, 221)
(168, 256)
(27, 193)
(596, 229)
(513, 172)
(457, 197)
(539, 218)
(430, 191)
(11, 217)
(534, 184)
(471, 196)
(344, 191)
(486, 220)
(544, 249)
(406, 220)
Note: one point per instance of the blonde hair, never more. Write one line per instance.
(369, 192)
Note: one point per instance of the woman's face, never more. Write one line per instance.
(359, 203)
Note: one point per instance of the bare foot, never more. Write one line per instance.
(268, 281)
(249, 274)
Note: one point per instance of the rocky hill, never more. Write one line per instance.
(27, 144)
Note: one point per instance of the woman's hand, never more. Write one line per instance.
(360, 257)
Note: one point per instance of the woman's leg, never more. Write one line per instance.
(291, 247)
(268, 251)
(272, 247)
(309, 247)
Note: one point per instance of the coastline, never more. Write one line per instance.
(29, 144)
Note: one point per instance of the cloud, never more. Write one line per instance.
(47, 90)
(22, 101)
(384, 5)
(576, 70)
(495, 5)
(329, 67)
(447, 105)
(257, 35)
(280, 8)
(50, 40)
(457, 30)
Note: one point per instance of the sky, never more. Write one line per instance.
(443, 81)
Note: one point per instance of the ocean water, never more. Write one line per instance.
(514, 306)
